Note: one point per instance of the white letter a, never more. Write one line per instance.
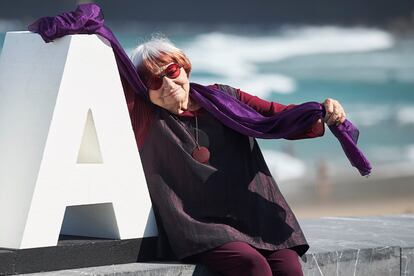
(66, 140)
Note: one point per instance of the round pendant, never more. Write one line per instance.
(201, 154)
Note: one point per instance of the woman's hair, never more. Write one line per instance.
(155, 53)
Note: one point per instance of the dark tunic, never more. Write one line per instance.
(202, 206)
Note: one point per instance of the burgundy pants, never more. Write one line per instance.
(241, 259)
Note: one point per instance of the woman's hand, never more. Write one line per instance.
(335, 113)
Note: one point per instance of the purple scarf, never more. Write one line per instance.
(88, 19)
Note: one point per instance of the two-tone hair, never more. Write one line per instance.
(150, 56)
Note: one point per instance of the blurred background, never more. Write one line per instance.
(290, 51)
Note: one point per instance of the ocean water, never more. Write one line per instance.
(370, 71)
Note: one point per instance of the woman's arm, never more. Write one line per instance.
(267, 108)
(140, 112)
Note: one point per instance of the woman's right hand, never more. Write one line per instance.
(335, 113)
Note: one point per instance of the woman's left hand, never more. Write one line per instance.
(335, 114)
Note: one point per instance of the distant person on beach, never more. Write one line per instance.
(214, 198)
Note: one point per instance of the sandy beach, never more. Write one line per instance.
(387, 192)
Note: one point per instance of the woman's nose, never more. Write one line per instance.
(168, 83)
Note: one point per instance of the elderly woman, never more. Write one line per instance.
(214, 198)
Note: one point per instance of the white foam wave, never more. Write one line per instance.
(405, 115)
(237, 57)
(410, 152)
(264, 84)
(283, 166)
(392, 154)
(369, 114)
(372, 114)
(387, 153)
(261, 85)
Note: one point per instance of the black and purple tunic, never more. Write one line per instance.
(231, 198)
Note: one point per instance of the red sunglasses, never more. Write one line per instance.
(172, 72)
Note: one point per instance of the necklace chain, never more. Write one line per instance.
(185, 127)
(200, 153)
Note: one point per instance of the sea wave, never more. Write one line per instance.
(368, 115)
(387, 153)
(390, 154)
(410, 152)
(283, 166)
(237, 58)
(261, 85)
(405, 115)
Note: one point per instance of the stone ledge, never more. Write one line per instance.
(382, 245)
(370, 261)
(76, 252)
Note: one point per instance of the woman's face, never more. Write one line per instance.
(174, 91)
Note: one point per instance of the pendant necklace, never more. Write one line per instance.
(199, 153)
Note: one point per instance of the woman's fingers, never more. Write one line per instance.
(335, 114)
(328, 108)
(330, 116)
(341, 119)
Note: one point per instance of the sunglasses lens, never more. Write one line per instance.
(155, 83)
(172, 71)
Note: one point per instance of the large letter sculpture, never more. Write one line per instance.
(66, 143)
